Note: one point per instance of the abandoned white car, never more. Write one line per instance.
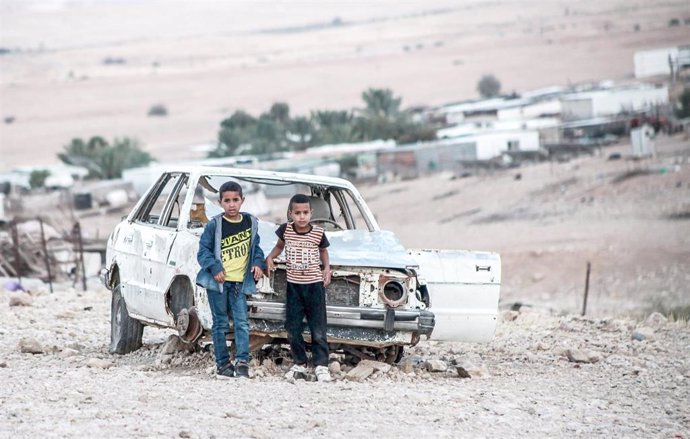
(382, 297)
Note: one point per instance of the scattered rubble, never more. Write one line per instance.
(21, 299)
(581, 356)
(470, 369)
(525, 367)
(509, 316)
(175, 344)
(98, 363)
(655, 320)
(360, 373)
(436, 366)
(29, 345)
(643, 333)
(68, 352)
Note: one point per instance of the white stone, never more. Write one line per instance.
(359, 373)
(334, 367)
(68, 352)
(436, 366)
(99, 363)
(643, 333)
(21, 299)
(29, 345)
(656, 319)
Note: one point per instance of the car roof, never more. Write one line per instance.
(264, 175)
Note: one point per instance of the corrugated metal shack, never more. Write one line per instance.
(412, 161)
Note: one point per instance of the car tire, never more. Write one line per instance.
(125, 332)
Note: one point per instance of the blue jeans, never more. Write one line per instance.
(230, 302)
(307, 300)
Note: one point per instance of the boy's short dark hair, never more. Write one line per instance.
(229, 186)
(299, 199)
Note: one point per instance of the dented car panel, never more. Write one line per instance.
(381, 295)
(464, 288)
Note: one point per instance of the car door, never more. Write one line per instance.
(464, 289)
(154, 231)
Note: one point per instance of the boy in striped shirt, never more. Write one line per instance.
(305, 252)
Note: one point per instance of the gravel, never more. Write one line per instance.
(521, 384)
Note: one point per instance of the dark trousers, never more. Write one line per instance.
(307, 300)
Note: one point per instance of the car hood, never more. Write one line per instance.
(355, 248)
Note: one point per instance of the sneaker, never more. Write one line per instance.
(322, 374)
(242, 370)
(296, 372)
(226, 371)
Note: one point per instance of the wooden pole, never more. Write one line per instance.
(77, 227)
(45, 255)
(15, 245)
(584, 303)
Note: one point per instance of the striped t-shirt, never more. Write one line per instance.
(302, 253)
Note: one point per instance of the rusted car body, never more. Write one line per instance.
(382, 296)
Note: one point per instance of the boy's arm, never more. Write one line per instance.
(258, 264)
(323, 252)
(258, 260)
(280, 245)
(205, 256)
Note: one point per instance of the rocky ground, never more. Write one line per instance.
(543, 376)
(623, 371)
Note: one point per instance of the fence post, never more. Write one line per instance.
(15, 245)
(584, 303)
(45, 255)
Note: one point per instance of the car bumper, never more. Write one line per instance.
(352, 323)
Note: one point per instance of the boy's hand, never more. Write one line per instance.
(220, 277)
(270, 266)
(258, 272)
(326, 276)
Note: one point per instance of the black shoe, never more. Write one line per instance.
(242, 370)
(226, 371)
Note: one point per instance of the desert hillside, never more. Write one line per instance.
(79, 69)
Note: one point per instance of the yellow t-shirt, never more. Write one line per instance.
(234, 248)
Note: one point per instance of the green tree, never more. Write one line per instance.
(280, 112)
(124, 154)
(104, 160)
(269, 136)
(301, 133)
(380, 103)
(683, 109)
(383, 119)
(333, 127)
(37, 178)
(236, 131)
(488, 86)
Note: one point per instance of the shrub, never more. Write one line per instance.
(488, 86)
(158, 110)
(37, 178)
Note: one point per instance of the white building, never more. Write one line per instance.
(642, 141)
(551, 107)
(547, 128)
(491, 144)
(608, 102)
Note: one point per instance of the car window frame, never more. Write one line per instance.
(155, 193)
